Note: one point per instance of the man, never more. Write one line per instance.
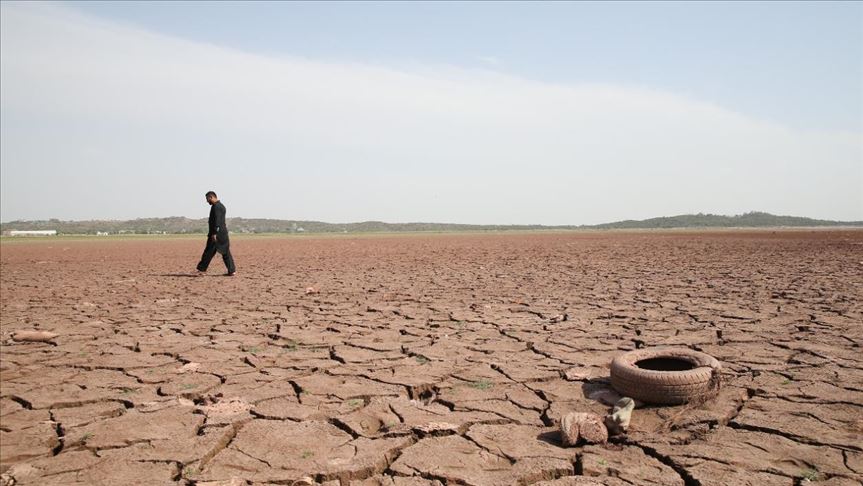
(217, 237)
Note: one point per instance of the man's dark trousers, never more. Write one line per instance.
(222, 246)
(218, 230)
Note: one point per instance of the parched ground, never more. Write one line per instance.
(428, 359)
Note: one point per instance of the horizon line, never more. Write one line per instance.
(434, 222)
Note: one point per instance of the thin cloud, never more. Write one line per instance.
(99, 112)
(490, 60)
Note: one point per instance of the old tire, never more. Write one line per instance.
(689, 376)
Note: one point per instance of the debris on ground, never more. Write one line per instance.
(578, 427)
(34, 336)
(188, 368)
(618, 421)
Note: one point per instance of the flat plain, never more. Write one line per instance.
(428, 359)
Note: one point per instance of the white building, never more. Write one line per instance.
(33, 233)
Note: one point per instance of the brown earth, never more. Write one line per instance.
(424, 360)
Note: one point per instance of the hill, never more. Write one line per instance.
(747, 220)
(182, 225)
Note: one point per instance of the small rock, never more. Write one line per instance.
(432, 427)
(34, 336)
(188, 368)
(304, 481)
(229, 482)
(577, 374)
(582, 427)
(311, 290)
(19, 472)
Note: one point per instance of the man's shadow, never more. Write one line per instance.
(187, 275)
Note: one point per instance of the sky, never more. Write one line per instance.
(487, 113)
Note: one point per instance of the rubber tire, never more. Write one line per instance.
(665, 387)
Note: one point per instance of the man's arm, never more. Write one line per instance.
(212, 222)
(221, 227)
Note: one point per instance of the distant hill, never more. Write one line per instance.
(748, 220)
(181, 225)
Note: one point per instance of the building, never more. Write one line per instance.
(33, 233)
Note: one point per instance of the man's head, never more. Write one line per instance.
(212, 198)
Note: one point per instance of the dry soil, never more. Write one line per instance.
(423, 360)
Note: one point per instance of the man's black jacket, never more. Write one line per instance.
(217, 223)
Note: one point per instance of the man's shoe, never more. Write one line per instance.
(230, 274)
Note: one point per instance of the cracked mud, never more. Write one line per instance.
(423, 360)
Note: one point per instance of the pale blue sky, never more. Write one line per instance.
(799, 63)
(552, 113)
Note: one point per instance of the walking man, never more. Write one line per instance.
(217, 237)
